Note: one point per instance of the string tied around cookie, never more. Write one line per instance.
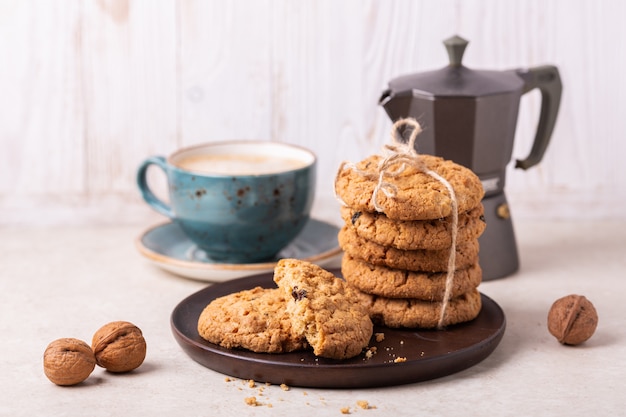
(400, 155)
(397, 152)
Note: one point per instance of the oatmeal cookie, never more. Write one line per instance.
(418, 196)
(412, 235)
(423, 260)
(324, 309)
(412, 313)
(254, 319)
(398, 283)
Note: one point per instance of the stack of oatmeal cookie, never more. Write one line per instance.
(397, 251)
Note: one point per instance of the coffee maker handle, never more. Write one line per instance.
(546, 78)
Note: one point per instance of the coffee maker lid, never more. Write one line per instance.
(455, 79)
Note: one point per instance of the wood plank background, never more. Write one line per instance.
(89, 88)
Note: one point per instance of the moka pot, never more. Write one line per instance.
(469, 116)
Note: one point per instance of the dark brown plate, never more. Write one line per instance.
(429, 353)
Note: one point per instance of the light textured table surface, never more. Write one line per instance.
(67, 282)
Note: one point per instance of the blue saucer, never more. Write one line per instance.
(168, 247)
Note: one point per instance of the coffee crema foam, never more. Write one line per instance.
(239, 164)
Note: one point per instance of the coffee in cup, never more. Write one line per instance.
(239, 201)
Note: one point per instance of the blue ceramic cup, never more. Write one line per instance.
(239, 201)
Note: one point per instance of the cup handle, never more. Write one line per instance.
(146, 192)
(546, 78)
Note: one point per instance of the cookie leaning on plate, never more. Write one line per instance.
(324, 309)
(253, 319)
(418, 196)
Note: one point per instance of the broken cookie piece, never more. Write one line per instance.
(324, 309)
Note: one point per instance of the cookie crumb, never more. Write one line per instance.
(251, 383)
(399, 360)
(227, 379)
(379, 337)
(284, 387)
(370, 352)
(251, 401)
(365, 405)
(345, 410)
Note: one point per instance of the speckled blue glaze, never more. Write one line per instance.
(237, 219)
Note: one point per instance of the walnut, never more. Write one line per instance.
(119, 346)
(68, 361)
(572, 319)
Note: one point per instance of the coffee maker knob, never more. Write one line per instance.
(503, 211)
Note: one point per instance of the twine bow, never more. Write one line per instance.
(400, 155)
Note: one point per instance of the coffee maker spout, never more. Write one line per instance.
(384, 97)
(396, 104)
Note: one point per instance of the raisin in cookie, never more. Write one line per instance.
(324, 309)
(399, 283)
(418, 234)
(253, 319)
(418, 196)
(412, 260)
(412, 313)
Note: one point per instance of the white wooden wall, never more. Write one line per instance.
(88, 88)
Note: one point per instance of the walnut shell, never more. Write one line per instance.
(572, 319)
(119, 346)
(68, 361)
